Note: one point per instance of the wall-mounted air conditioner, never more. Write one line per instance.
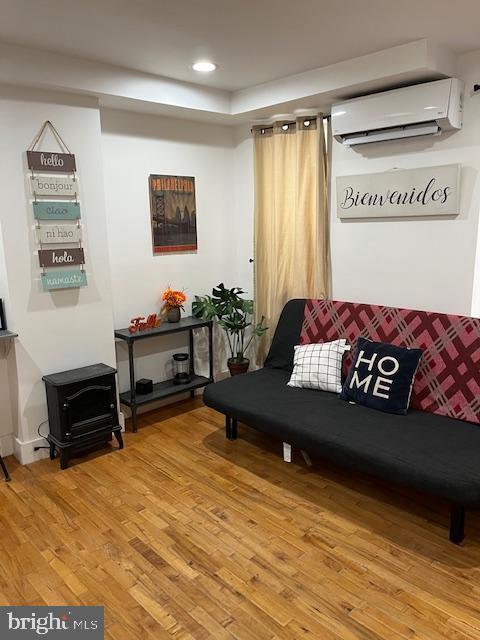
(418, 110)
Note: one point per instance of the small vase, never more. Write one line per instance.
(173, 314)
(236, 367)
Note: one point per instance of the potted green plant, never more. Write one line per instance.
(234, 315)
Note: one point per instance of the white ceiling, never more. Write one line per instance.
(252, 41)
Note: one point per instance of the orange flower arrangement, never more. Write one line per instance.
(173, 299)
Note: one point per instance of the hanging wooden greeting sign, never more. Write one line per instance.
(51, 162)
(64, 280)
(48, 210)
(55, 199)
(61, 257)
(60, 233)
(54, 186)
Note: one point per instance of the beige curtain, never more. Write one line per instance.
(291, 217)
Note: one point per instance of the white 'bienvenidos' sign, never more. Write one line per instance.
(426, 191)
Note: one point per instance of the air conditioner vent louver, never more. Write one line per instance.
(394, 133)
(424, 109)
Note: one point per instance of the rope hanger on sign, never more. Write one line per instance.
(60, 141)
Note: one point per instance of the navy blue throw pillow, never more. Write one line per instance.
(381, 376)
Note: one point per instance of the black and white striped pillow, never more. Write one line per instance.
(319, 366)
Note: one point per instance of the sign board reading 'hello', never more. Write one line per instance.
(48, 161)
(427, 191)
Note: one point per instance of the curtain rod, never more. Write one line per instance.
(286, 122)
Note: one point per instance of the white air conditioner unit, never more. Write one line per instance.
(418, 110)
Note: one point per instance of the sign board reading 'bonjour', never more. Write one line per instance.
(59, 233)
(426, 191)
(54, 186)
(48, 210)
(51, 162)
(61, 257)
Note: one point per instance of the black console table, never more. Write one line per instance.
(167, 387)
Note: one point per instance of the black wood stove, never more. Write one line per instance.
(82, 410)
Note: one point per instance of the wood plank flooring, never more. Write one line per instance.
(185, 535)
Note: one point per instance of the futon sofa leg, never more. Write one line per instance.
(457, 523)
(231, 428)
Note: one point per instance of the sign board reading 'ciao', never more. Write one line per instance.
(426, 191)
(48, 210)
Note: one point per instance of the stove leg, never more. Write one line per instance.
(64, 458)
(118, 436)
(52, 451)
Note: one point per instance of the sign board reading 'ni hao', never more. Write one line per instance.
(426, 191)
(59, 233)
(52, 162)
(64, 280)
(54, 186)
(61, 257)
(48, 210)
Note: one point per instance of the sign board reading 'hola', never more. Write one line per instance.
(59, 233)
(61, 257)
(427, 191)
(48, 210)
(60, 186)
(64, 280)
(49, 161)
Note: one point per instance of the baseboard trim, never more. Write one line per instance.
(24, 450)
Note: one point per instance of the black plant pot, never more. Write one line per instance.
(235, 367)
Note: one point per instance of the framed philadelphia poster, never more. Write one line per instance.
(173, 213)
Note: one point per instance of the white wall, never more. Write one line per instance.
(424, 264)
(135, 146)
(243, 189)
(6, 420)
(63, 329)
(431, 264)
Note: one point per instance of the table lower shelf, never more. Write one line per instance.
(163, 390)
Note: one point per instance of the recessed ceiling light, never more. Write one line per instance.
(204, 66)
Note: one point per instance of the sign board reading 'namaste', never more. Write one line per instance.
(63, 280)
(425, 191)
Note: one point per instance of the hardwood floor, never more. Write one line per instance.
(185, 535)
